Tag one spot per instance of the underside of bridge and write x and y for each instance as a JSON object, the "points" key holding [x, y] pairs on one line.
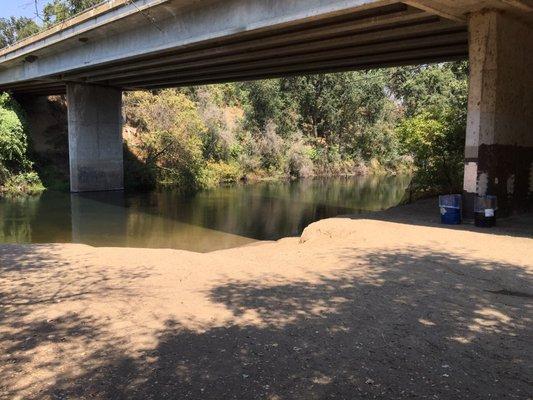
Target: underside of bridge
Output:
{"points": [[356, 38], [151, 44]]}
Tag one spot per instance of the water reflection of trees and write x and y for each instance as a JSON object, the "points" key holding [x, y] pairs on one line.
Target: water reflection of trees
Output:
{"points": [[15, 219], [38, 219], [276, 209], [220, 218]]}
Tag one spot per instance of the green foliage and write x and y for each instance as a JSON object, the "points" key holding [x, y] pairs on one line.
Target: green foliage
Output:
{"points": [[341, 124], [346, 119], [269, 102], [169, 136], [337, 107], [60, 10], [432, 142], [300, 163], [434, 131], [215, 173], [16, 175], [431, 88], [14, 29], [218, 107], [137, 174], [26, 183], [13, 141]]}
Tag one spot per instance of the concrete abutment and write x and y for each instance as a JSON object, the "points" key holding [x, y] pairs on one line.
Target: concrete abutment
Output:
{"points": [[499, 137]]}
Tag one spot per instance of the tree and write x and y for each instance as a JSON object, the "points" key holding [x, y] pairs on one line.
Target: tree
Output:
{"points": [[60, 10], [14, 29], [433, 132], [268, 103], [430, 87], [169, 133]]}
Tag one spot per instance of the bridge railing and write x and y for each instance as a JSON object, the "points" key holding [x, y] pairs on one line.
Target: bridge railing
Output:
{"points": [[97, 9]]}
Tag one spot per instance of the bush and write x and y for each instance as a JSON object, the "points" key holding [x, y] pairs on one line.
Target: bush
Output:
{"points": [[13, 141], [27, 183], [16, 175], [436, 144], [271, 147], [300, 163], [222, 123], [216, 173], [168, 137]]}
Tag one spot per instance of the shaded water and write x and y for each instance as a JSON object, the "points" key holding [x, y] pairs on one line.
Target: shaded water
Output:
{"points": [[210, 220]]}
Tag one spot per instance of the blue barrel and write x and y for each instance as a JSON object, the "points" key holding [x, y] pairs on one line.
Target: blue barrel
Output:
{"points": [[450, 209]]}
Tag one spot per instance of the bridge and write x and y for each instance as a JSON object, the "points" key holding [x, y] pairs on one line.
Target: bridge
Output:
{"points": [[124, 45]]}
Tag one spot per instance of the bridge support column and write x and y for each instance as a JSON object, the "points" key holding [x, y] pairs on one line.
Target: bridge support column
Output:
{"points": [[95, 138], [499, 137]]}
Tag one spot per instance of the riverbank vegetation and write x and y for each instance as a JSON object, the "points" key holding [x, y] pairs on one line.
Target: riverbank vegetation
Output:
{"points": [[16, 169], [323, 125], [380, 121]]}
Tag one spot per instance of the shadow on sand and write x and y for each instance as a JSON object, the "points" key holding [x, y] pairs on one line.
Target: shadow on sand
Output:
{"points": [[459, 329]]}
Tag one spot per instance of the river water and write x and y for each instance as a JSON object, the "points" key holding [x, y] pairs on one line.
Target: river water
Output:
{"points": [[210, 220]]}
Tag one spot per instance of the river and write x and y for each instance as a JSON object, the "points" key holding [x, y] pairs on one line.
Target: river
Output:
{"points": [[209, 220]]}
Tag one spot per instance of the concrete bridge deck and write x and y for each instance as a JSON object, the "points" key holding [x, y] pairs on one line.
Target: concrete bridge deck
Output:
{"points": [[159, 43]]}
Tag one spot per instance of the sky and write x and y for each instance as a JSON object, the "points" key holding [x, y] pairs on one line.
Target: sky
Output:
{"points": [[19, 8]]}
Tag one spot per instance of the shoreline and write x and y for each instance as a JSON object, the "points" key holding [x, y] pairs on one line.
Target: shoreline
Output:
{"points": [[62, 186]]}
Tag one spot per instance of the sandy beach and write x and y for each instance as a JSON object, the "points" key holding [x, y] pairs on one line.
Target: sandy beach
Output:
{"points": [[355, 308]]}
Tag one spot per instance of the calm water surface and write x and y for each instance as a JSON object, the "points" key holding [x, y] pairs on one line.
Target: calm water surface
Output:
{"points": [[210, 220]]}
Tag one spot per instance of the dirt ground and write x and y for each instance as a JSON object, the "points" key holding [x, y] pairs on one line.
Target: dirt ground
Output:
{"points": [[355, 309]]}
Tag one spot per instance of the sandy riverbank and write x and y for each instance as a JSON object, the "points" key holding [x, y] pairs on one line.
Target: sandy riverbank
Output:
{"points": [[356, 308]]}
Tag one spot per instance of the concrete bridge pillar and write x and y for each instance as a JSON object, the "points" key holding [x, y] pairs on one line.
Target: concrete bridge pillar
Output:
{"points": [[499, 137], [95, 138]]}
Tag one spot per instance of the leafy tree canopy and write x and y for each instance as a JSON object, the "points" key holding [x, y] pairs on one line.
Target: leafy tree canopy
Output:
{"points": [[14, 29], [60, 10]]}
